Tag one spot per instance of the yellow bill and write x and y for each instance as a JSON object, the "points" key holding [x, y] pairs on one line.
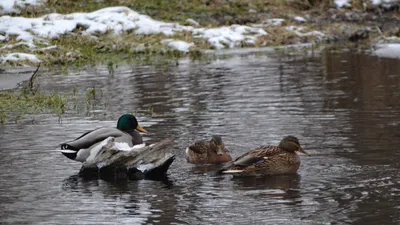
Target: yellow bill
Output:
{"points": [[141, 129]]}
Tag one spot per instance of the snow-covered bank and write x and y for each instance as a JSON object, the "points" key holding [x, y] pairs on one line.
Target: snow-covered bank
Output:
{"points": [[116, 20], [387, 50], [15, 6], [347, 3], [16, 56], [29, 32]]}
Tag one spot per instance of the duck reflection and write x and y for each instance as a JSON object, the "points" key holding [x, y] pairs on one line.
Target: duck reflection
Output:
{"points": [[143, 200], [283, 182], [206, 169], [283, 186], [77, 183]]}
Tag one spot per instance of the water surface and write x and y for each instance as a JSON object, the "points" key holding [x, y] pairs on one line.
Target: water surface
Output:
{"points": [[344, 108]]}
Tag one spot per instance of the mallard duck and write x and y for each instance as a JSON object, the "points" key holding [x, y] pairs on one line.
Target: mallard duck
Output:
{"points": [[112, 159], [268, 160], [208, 152], [126, 131]]}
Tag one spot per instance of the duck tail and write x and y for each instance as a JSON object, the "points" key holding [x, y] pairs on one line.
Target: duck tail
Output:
{"points": [[70, 154], [160, 171], [232, 171], [226, 167]]}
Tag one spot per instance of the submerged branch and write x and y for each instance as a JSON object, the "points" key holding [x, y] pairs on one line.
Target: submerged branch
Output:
{"points": [[32, 79]]}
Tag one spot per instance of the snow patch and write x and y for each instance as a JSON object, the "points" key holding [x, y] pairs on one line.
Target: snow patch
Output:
{"points": [[119, 20], [294, 28], [15, 6], [387, 50], [299, 33], [311, 33], [192, 22], [347, 3], [299, 19], [275, 22], [342, 3], [16, 56], [229, 36], [177, 44], [379, 2]]}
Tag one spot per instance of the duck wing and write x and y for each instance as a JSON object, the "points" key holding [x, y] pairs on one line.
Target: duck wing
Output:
{"points": [[252, 157], [94, 136], [247, 160], [200, 147], [155, 156], [150, 161]]}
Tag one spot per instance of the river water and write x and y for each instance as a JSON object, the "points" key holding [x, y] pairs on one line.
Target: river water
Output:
{"points": [[344, 108]]}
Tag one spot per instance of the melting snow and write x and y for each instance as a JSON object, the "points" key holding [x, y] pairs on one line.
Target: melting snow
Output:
{"points": [[346, 3], [16, 56], [342, 3], [118, 20], [275, 22], [297, 31], [14, 6], [177, 44], [378, 2], [387, 50], [232, 36], [299, 19]]}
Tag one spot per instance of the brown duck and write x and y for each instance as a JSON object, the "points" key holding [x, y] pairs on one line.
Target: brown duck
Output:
{"points": [[268, 160], [208, 152]]}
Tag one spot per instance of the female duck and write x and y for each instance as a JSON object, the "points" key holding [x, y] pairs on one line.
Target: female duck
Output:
{"points": [[268, 160], [208, 152], [126, 131]]}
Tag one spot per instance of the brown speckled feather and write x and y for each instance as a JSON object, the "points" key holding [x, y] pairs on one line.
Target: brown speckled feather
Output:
{"points": [[264, 151], [202, 147], [203, 152], [266, 160]]}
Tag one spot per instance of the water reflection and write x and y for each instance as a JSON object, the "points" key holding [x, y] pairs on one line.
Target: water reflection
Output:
{"points": [[371, 93], [205, 169], [281, 182], [142, 201], [342, 106]]}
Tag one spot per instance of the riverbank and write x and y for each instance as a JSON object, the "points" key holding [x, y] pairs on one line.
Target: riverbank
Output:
{"points": [[61, 33]]}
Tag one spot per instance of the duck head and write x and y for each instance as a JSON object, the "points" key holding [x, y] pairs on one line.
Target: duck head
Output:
{"points": [[292, 144], [217, 141], [128, 122]]}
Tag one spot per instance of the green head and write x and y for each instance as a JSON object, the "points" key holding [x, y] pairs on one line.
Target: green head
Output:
{"points": [[217, 140], [128, 122], [292, 144]]}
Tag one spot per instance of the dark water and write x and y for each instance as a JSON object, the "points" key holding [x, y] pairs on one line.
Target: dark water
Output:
{"points": [[344, 107]]}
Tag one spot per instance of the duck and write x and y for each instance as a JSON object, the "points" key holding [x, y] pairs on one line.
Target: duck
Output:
{"points": [[116, 160], [208, 152], [268, 160], [127, 131]]}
